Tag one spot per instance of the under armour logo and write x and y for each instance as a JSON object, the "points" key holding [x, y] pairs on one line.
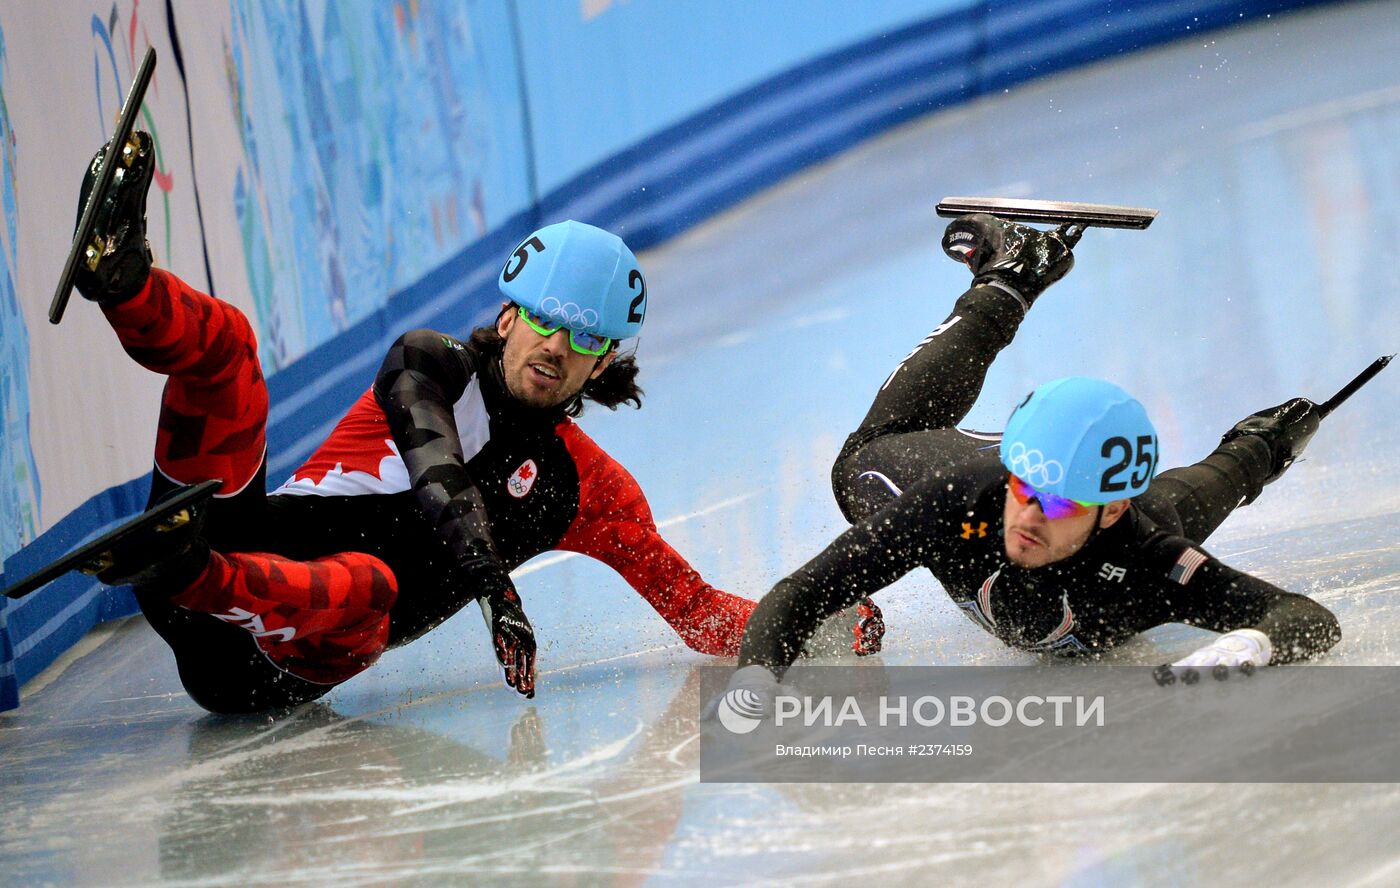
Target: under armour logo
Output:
{"points": [[969, 530]]}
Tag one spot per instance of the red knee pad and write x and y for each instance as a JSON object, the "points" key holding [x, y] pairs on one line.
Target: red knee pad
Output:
{"points": [[323, 620]]}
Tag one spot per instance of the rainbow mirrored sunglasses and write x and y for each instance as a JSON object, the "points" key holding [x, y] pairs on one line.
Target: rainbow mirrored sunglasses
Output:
{"points": [[1051, 505], [583, 343]]}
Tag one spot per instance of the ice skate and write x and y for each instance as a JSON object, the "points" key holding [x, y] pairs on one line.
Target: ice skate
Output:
{"points": [[1014, 257], [166, 552], [160, 547], [117, 259], [1287, 429]]}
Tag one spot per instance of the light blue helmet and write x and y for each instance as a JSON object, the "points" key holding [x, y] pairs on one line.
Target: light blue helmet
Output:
{"points": [[1083, 439], [580, 276]]}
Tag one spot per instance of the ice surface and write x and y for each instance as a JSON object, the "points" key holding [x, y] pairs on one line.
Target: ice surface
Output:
{"points": [[1271, 152]]}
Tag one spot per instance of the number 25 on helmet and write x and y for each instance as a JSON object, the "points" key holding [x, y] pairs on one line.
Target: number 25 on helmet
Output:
{"points": [[1081, 439]]}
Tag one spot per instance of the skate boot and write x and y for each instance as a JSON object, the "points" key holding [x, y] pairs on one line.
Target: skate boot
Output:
{"points": [[1013, 257], [166, 556], [1287, 429], [118, 260]]}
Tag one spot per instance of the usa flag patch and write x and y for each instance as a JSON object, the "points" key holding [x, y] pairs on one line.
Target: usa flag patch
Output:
{"points": [[1186, 565]]}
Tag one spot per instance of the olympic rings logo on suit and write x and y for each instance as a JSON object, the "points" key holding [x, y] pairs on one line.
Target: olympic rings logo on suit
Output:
{"points": [[570, 314], [1032, 467]]}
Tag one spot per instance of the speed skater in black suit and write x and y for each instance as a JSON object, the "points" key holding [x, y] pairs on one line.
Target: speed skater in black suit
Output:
{"points": [[1054, 537]]}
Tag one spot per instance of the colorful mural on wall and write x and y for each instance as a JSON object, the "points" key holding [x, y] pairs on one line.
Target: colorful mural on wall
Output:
{"points": [[19, 475], [366, 143]]}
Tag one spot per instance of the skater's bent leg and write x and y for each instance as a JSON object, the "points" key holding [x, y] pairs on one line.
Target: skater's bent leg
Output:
{"points": [[909, 431], [322, 620], [1201, 496], [214, 410], [868, 478], [938, 382], [223, 669]]}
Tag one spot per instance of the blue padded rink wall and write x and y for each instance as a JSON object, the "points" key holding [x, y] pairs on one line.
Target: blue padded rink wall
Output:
{"points": [[1273, 153]]}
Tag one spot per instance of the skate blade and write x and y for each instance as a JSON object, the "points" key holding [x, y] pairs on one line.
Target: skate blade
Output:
{"points": [[84, 241], [1054, 212], [98, 563], [96, 556]]}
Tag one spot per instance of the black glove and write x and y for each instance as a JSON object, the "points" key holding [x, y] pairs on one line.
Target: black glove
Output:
{"points": [[513, 639]]}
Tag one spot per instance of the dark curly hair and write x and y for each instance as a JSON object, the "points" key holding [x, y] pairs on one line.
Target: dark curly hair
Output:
{"points": [[615, 386]]}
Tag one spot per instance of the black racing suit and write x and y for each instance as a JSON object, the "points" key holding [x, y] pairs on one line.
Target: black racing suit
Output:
{"points": [[920, 492]]}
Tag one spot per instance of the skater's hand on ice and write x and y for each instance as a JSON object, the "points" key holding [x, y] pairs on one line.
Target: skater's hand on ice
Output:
{"points": [[749, 696], [869, 629], [1242, 650], [513, 639]]}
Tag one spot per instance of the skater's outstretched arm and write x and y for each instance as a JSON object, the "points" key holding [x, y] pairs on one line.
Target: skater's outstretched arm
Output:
{"points": [[615, 525], [872, 554], [1262, 624], [1297, 627]]}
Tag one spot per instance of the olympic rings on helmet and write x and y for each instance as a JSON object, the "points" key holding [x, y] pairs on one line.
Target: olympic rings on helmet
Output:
{"points": [[569, 314], [1031, 466]]}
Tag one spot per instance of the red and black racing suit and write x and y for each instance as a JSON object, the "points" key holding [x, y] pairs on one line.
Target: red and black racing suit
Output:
{"points": [[921, 492], [427, 493]]}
